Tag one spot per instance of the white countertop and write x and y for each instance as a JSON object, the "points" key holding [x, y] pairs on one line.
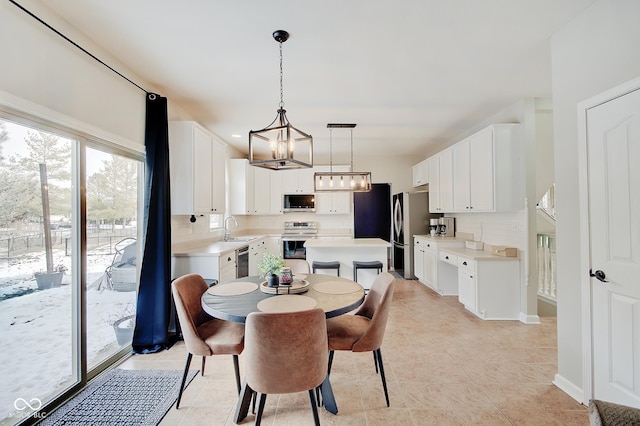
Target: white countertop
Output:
{"points": [[441, 239], [475, 254], [347, 243], [214, 248]]}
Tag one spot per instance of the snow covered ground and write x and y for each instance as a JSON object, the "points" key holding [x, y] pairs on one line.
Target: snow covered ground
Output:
{"points": [[37, 329]]}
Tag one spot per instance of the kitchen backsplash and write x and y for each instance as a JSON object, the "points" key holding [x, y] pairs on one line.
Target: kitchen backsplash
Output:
{"points": [[507, 229], [277, 221]]}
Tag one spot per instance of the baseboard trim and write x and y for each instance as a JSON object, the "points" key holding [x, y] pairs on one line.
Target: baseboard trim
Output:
{"points": [[569, 388], [529, 319]]}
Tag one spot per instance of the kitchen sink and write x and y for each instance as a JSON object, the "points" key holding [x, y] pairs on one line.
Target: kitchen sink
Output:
{"points": [[240, 239]]}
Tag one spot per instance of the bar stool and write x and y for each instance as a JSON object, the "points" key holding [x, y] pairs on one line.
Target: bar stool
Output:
{"points": [[325, 265], [365, 265]]}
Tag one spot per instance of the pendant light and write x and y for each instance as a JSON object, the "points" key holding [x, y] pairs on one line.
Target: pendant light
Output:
{"points": [[280, 146], [341, 181]]}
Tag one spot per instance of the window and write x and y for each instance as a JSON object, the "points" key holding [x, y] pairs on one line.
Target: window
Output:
{"points": [[215, 222], [48, 264]]}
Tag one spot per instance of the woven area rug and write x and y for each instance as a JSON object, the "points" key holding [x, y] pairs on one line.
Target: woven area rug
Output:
{"points": [[122, 397]]}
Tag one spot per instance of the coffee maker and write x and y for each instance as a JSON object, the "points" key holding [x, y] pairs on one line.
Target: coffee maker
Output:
{"points": [[446, 227], [434, 227]]}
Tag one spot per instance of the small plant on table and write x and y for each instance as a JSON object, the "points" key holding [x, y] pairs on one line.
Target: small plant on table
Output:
{"points": [[270, 267]]}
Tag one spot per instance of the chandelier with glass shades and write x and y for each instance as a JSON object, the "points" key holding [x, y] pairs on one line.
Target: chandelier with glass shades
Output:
{"points": [[280, 146], [341, 181]]}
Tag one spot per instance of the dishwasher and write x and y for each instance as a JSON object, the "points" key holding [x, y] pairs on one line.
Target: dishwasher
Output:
{"points": [[242, 262]]}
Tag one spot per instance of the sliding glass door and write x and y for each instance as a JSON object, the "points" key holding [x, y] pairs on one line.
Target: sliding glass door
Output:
{"points": [[69, 214], [112, 183]]}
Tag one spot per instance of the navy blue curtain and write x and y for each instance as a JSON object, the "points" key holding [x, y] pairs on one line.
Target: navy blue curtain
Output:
{"points": [[154, 294]]}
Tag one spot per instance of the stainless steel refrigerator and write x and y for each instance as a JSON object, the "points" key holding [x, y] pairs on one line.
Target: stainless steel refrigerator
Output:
{"points": [[410, 217]]}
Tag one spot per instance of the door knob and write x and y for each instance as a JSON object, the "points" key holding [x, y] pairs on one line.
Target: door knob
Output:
{"points": [[600, 275]]}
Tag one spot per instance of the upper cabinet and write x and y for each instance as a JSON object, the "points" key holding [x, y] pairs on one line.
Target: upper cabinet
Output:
{"points": [[297, 181], [421, 173], [251, 190], [481, 173], [196, 162], [333, 202], [486, 172], [441, 182]]}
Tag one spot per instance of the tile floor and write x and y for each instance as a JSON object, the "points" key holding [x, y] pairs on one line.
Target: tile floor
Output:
{"points": [[443, 365]]}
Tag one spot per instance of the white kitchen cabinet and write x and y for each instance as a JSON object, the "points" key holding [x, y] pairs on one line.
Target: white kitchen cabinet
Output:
{"points": [[333, 202], [299, 181], [427, 251], [275, 198], [249, 188], [197, 168], [440, 170], [421, 173], [486, 171], [490, 289], [274, 245], [220, 267], [259, 192], [228, 266], [257, 250], [467, 284]]}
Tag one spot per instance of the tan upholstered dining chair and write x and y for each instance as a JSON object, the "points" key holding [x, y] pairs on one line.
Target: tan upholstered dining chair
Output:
{"points": [[364, 331], [298, 266], [285, 353], [204, 335]]}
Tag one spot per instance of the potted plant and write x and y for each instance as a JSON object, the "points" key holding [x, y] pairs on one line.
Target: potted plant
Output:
{"points": [[270, 267], [123, 323], [46, 280]]}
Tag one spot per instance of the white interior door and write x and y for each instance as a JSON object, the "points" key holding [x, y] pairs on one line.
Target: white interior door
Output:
{"points": [[613, 156]]}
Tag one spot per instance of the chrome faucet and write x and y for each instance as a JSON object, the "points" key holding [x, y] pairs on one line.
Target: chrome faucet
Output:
{"points": [[227, 231]]}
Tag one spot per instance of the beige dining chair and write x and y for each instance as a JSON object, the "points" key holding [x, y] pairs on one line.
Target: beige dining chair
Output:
{"points": [[298, 266], [204, 335], [285, 353], [364, 331]]}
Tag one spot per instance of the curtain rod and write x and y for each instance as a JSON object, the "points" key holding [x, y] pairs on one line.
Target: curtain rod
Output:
{"points": [[78, 46]]}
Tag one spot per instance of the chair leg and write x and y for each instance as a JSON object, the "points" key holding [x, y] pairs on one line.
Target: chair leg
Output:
{"points": [[263, 399], [314, 408], [236, 367], [330, 362], [375, 361], [384, 380], [204, 358], [184, 379]]}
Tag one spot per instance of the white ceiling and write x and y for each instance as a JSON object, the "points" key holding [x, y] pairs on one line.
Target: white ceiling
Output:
{"points": [[413, 74]]}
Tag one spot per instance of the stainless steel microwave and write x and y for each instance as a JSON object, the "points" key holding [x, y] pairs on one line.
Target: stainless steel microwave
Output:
{"points": [[299, 203]]}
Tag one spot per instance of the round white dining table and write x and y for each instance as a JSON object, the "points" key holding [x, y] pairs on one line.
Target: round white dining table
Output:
{"points": [[235, 299]]}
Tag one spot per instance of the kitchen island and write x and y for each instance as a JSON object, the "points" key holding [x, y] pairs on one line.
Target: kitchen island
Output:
{"points": [[346, 251]]}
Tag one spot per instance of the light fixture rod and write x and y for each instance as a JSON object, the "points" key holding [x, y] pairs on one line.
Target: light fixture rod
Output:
{"points": [[340, 125]]}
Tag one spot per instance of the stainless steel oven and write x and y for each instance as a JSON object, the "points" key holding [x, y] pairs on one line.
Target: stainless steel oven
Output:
{"points": [[294, 237]]}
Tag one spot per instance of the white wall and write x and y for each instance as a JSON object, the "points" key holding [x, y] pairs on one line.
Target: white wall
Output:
{"points": [[42, 68], [594, 52]]}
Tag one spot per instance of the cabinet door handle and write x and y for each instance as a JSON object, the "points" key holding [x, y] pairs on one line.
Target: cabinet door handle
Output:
{"points": [[428, 245], [446, 257], [464, 263]]}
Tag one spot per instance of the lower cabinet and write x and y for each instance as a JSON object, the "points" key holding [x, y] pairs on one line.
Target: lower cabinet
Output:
{"points": [[467, 288], [426, 251], [274, 245], [490, 288], [221, 267], [228, 267], [257, 250]]}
